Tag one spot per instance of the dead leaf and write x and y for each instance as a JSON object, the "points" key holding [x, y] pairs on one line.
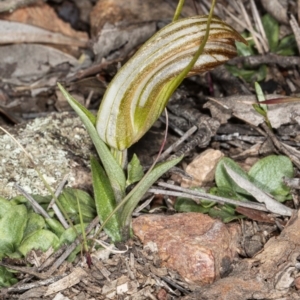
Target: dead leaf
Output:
{"points": [[281, 114], [119, 27], [255, 215], [13, 32], [68, 281], [29, 61], [44, 16], [278, 9], [241, 107]]}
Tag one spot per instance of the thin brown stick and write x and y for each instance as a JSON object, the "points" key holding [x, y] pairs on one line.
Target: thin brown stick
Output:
{"points": [[269, 58]]}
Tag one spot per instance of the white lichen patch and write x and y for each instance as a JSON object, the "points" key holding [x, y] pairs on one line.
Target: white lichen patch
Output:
{"points": [[58, 144]]}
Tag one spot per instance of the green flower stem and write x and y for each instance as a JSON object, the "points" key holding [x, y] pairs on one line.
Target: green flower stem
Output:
{"points": [[177, 81], [178, 10]]}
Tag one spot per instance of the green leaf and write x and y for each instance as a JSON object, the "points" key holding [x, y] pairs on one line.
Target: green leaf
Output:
{"points": [[34, 223], [188, 205], [112, 168], [223, 180], [271, 27], [55, 226], [135, 171], [287, 46], [142, 187], [41, 239], [12, 227], [268, 172], [6, 278], [226, 213], [5, 205], [105, 200], [226, 192], [249, 75], [260, 96], [259, 109], [84, 198], [70, 234], [74, 253], [68, 200], [244, 49]]}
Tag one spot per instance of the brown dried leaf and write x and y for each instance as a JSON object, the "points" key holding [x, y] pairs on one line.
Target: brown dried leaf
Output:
{"points": [[278, 9], [14, 32], [121, 26], [241, 107], [44, 16], [255, 215], [68, 281]]}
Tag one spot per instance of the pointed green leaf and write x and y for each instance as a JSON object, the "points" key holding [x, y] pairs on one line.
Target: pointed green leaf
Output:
{"points": [[188, 205], [223, 180], [260, 96], [249, 75], [112, 168], [287, 46], [105, 200], [271, 27], [245, 49], [135, 171], [142, 188]]}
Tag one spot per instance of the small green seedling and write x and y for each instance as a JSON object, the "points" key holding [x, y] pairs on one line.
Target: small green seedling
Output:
{"points": [[265, 175], [262, 109], [286, 46]]}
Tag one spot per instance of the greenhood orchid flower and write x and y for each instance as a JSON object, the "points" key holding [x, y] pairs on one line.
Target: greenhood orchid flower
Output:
{"points": [[139, 92]]}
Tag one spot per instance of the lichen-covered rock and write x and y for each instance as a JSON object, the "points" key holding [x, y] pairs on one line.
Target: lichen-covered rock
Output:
{"points": [[58, 144]]}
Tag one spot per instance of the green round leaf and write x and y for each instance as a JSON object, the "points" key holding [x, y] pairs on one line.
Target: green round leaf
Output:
{"points": [[6, 278], [41, 239], [5, 205], [70, 234], [12, 227], [268, 172], [34, 223], [55, 226]]}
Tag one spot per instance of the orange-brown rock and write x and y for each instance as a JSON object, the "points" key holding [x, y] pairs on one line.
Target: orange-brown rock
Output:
{"points": [[202, 168], [198, 247]]}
